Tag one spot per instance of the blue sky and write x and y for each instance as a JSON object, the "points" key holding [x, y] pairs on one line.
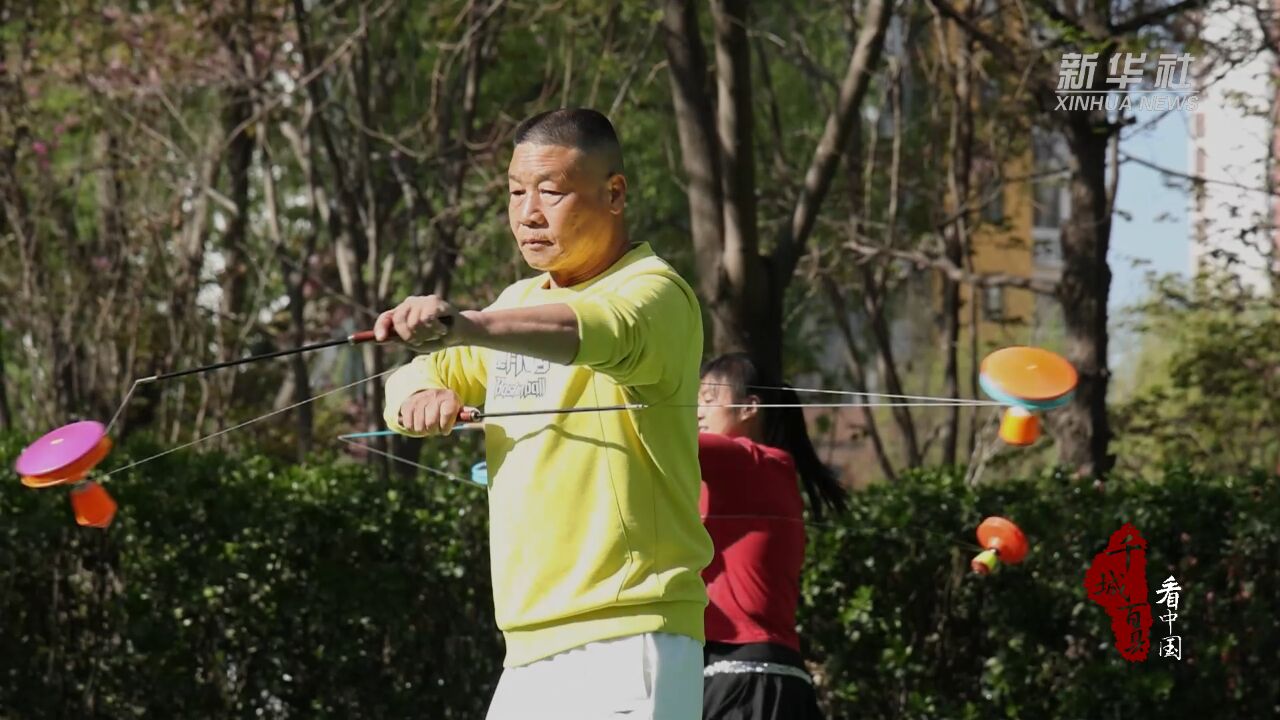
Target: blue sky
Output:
{"points": [[1155, 237]]}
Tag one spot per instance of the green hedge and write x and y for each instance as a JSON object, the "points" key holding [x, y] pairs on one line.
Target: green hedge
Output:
{"points": [[228, 588], [906, 632], [232, 588]]}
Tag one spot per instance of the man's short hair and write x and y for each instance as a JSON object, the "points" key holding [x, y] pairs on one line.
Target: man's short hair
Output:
{"points": [[589, 131]]}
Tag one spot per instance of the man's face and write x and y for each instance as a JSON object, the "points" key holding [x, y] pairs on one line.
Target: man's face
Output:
{"points": [[562, 208]]}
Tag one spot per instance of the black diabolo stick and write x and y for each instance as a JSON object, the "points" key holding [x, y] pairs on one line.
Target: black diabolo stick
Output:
{"points": [[354, 339]]}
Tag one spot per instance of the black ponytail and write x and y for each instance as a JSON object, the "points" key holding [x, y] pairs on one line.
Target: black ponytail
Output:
{"points": [[785, 428]]}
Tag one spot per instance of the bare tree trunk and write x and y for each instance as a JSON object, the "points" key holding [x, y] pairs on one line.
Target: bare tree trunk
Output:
{"points": [[750, 326], [456, 148], [240, 150], [956, 241], [236, 273], [687, 62], [295, 281], [950, 342], [1082, 428]]}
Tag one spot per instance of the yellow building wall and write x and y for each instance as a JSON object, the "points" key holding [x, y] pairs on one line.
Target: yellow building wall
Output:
{"points": [[1008, 249]]}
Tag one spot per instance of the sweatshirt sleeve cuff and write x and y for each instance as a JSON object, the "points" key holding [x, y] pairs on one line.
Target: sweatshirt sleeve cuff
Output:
{"points": [[401, 385]]}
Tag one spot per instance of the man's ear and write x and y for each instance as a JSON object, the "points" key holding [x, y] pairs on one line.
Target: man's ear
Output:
{"points": [[753, 409], [617, 185]]}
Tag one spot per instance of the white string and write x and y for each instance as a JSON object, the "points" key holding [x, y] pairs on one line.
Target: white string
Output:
{"points": [[974, 403], [968, 403], [122, 404], [224, 431], [838, 526], [407, 461], [857, 393], [920, 401], [251, 421]]}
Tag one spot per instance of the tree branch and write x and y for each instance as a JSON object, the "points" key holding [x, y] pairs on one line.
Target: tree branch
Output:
{"points": [[313, 71], [1139, 22], [1198, 179], [318, 98], [835, 136], [954, 273], [775, 116], [993, 45], [1050, 8], [853, 360]]}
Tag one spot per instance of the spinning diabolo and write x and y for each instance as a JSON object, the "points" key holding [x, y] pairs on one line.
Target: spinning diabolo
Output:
{"points": [[65, 457], [1002, 542], [1026, 379]]}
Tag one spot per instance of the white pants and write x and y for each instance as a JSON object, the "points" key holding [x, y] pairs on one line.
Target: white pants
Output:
{"points": [[655, 676]]}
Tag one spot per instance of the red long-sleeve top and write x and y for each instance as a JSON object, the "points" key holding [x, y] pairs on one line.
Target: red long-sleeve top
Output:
{"points": [[753, 511]]}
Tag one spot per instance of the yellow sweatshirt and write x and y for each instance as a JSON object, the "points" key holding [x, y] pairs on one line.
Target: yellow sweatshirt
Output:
{"points": [[594, 530]]}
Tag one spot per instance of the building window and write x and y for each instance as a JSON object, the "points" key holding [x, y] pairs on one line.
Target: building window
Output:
{"points": [[1048, 208], [993, 302], [1047, 251], [1051, 201], [1051, 198]]}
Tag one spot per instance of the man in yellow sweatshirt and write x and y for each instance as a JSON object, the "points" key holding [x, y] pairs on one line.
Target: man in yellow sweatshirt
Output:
{"points": [[595, 538]]}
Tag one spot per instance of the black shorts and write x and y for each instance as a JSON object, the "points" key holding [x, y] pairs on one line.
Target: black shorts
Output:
{"points": [[757, 696]]}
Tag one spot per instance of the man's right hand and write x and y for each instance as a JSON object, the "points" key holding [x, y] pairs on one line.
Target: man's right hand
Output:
{"points": [[430, 412]]}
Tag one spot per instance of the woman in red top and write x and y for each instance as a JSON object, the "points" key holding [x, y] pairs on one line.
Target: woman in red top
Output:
{"points": [[751, 457]]}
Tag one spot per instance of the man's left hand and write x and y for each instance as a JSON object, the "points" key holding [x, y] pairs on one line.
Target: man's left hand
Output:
{"points": [[424, 322]]}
